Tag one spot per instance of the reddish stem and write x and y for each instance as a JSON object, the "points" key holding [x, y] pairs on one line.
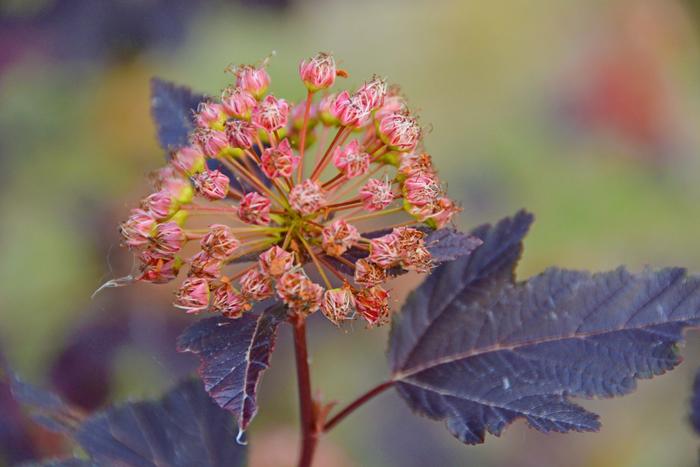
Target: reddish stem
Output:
{"points": [[309, 434], [375, 391], [302, 141]]}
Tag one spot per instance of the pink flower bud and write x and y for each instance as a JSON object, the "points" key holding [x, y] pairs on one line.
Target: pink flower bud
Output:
{"points": [[219, 242], [189, 160], [325, 112], [240, 134], [208, 114], [229, 302], [338, 237], [350, 110], [211, 141], [167, 239], [307, 197], [254, 208], [211, 184], [369, 274], [271, 114], [412, 164], [338, 304], [193, 295], [318, 72], [392, 104], [299, 293], [256, 285], [279, 161], [203, 265], [400, 132], [372, 93], [373, 305], [376, 194], [238, 102], [158, 270], [253, 80], [350, 160], [136, 230], [444, 209], [161, 205], [421, 189], [276, 261], [385, 251]]}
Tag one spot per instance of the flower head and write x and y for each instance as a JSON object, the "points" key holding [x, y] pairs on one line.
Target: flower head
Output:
{"points": [[271, 113], [254, 208], [338, 304], [254, 80], [229, 301], [318, 72], [307, 197], [351, 160], [338, 237], [211, 184], [279, 161], [136, 230], [193, 295], [219, 242], [238, 102]]}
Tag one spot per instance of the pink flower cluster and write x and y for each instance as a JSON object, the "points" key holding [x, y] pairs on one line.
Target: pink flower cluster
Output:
{"points": [[253, 211]]}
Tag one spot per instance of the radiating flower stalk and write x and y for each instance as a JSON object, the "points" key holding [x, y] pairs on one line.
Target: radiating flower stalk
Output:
{"points": [[288, 214]]}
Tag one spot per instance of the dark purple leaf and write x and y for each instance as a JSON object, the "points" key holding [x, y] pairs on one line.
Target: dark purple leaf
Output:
{"points": [[15, 439], [478, 351], [233, 355], [449, 244], [73, 462], [185, 428], [695, 404], [172, 109]]}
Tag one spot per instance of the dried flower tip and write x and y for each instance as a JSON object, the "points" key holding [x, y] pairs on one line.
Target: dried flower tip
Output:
{"points": [[204, 265], [299, 293], [376, 194], [351, 160], [156, 269], [161, 205], [372, 93], [211, 184], [271, 114], [369, 274], [307, 197], [338, 237], [373, 305], [219, 242], [421, 189], [136, 230], [417, 259], [256, 286], [276, 261], [412, 164], [318, 72], [254, 208], [443, 210], [238, 102], [385, 251], [254, 80], [229, 302], [350, 110], [338, 304], [212, 142], [193, 295], [400, 132], [240, 134], [167, 239], [189, 160], [208, 114], [279, 161]]}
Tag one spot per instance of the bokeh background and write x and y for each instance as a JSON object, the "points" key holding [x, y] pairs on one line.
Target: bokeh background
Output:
{"points": [[585, 112]]}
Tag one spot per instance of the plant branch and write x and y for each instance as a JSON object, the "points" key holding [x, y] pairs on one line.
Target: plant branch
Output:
{"points": [[357, 403], [309, 433]]}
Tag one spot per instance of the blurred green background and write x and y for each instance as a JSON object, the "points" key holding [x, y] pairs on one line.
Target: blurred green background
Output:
{"points": [[585, 112]]}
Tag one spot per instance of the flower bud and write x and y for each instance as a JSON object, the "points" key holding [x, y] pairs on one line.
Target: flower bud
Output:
{"points": [[253, 80], [318, 72], [276, 261], [256, 285], [444, 209], [229, 302], [211, 184], [299, 293], [385, 251], [219, 242], [156, 269], [203, 265], [189, 160], [307, 197], [167, 238], [338, 304], [372, 93], [421, 189], [271, 113], [208, 114], [212, 142], [369, 274], [338, 237], [193, 295], [376, 194], [279, 161], [240, 134], [350, 160], [373, 305], [136, 230], [325, 112], [400, 132], [350, 110], [238, 102], [161, 205], [254, 208]]}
